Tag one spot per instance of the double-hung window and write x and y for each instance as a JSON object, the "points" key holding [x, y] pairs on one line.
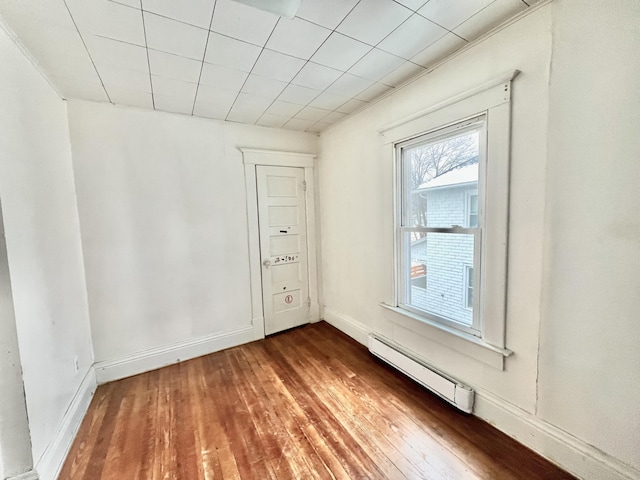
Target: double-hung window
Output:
{"points": [[441, 222], [451, 173]]}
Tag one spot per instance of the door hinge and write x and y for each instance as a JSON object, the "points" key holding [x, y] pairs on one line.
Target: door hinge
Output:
{"points": [[304, 185], [308, 301]]}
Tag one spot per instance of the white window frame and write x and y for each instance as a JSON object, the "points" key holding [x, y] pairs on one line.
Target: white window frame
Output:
{"points": [[465, 294], [492, 98], [467, 207], [476, 123]]}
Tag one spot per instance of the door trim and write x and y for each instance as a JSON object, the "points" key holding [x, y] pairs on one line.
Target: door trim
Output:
{"points": [[251, 158]]}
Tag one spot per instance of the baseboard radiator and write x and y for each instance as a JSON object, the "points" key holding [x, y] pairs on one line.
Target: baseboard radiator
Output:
{"points": [[459, 395]]}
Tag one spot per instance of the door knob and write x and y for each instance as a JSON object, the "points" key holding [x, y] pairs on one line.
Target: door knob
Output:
{"points": [[266, 263]]}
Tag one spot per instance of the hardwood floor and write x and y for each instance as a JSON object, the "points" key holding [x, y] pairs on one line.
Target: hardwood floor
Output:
{"points": [[307, 404]]}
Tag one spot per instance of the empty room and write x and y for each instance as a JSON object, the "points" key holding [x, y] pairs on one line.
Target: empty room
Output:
{"points": [[319, 239]]}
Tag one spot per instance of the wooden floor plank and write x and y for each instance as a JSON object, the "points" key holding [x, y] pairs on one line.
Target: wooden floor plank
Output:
{"points": [[309, 403]]}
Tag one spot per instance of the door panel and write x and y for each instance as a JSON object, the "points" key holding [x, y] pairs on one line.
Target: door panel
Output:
{"points": [[283, 247]]}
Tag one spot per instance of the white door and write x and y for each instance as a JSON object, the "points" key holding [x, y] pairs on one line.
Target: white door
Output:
{"points": [[283, 247]]}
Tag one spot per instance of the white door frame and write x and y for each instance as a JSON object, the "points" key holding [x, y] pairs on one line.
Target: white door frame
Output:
{"points": [[252, 158]]}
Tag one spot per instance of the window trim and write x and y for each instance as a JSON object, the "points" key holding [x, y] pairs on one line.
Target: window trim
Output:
{"points": [[492, 97], [467, 206]]}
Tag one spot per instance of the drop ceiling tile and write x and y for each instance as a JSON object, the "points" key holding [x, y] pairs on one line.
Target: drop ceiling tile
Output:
{"points": [[413, 4], [195, 12], [222, 77], [128, 3], [52, 13], [401, 74], [118, 77], [275, 121], [328, 101], [242, 22], [216, 96], [262, 86], [351, 106], [340, 52], [439, 50], [211, 110], [284, 109], [277, 66], [298, 94], [312, 113], [230, 52], [248, 102], [174, 66], [316, 76], [113, 53], [372, 20], [489, 17], [132, 98], [374, 91], [108, 19], [242, 115], [173, 104], [376, 64], [451, 14], [349, 85], [328, 13], [168, 87], [298, 124], [412, 37], [333, 117], [297, 37], [74, 88], [175, 37], [318, 127]]}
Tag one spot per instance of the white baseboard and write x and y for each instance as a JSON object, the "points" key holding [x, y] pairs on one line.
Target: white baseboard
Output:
{"points": [[152, 359], [554, 444], [30, 475], [348, 325], [49, 465]]}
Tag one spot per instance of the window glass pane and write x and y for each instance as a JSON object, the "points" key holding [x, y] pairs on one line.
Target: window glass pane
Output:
{"points": [[445, 258], [440, 173]]}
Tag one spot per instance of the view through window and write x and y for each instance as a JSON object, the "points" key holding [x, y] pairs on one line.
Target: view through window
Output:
{"points": [[441, 224]]}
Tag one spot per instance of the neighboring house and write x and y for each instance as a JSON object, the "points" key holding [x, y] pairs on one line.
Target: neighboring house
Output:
{"points": [[446, 288]]}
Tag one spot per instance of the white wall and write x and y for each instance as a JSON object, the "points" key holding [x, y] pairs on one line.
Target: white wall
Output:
{"points": [[43, 243], [164, 225], [573, 232], [589, 381]]}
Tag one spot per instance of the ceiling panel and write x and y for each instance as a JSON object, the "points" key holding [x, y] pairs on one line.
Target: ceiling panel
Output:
{"points": [[108, 19], [328, 13], [174, 66], [263, 86], [412, 36], [277, 66], [340, 52], [224, 60], [494, 14], [372, 20], [316, 76], [174, 37], [113, 53], [222, 77], [297, 37], [195, 12], [349, 85], [451, 14], [242, 22], [231, 52], [376, 64]]}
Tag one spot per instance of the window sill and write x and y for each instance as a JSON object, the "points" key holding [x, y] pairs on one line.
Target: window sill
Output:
{"points": [[461, 342]]}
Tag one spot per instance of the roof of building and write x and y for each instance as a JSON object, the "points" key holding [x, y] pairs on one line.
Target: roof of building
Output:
{"points": [[459, 176]]}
